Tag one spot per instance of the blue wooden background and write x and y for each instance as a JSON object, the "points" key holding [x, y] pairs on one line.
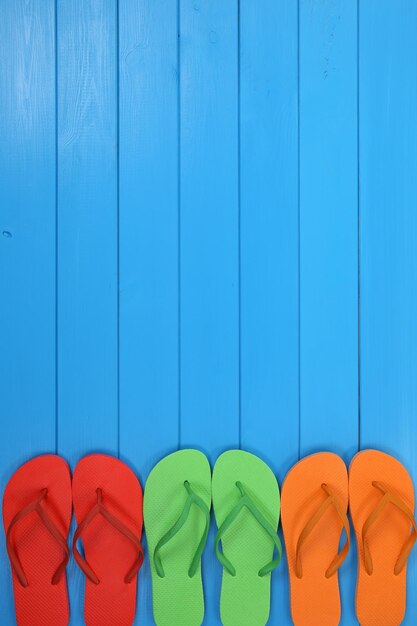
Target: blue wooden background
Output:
{"points": [[208, 237]]}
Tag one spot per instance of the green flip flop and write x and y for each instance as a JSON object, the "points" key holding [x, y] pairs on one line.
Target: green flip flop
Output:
{"points": [[246, 504], [176, 510]]}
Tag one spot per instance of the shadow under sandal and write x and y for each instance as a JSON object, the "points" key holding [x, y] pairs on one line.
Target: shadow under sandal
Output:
{"points": [[314, 515], [381, 497], [246, 504], [177, 520], [37, 508], [108, 507]]}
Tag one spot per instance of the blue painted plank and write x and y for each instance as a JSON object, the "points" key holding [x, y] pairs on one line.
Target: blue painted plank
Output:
{"points": [[329, 238], [87, 238], [388, 241], [328, 227], [269, 244], [209, 225], [27, 246], [209, 258], [149, 379]]}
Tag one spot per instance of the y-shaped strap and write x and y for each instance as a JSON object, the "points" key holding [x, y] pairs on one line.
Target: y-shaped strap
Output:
{"points": [[331, 500], [192, 498], [35, 506], [246, 501], [388, 498], [100, 509]]}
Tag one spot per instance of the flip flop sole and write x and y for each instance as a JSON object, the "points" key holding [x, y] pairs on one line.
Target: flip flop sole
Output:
{"points": [[381, 596], [40, 603], [315, 599], [178, 599], [112, 602], [245, 597]]}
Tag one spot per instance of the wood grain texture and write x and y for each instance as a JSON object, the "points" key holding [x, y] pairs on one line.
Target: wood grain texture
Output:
{"points": [[87, 238], [148, 236], [209, 238], [209, 263], [388, 241], [328, 227], [27, 245], [269, 244]]}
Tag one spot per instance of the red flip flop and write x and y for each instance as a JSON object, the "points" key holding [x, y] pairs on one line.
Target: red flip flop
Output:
{"points": [[37, 509], [107, 500]]}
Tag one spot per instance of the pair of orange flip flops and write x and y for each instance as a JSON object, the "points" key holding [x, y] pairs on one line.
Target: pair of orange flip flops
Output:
{"points": [[315, 498], [37, 511]]}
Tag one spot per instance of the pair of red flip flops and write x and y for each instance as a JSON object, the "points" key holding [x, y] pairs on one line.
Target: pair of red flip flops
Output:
{"points": [[37, 511]]}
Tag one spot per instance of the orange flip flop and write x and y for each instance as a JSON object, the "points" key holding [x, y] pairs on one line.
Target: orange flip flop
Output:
{"points": [[381, 499], [37, 509], [107, 500], [314, 503]]}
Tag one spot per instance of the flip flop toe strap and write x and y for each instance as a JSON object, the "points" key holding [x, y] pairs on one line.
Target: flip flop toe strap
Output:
{"points": [[36, 506], [192, 498], [334, 501], [100, 509], [246, 501], [388, 498]]}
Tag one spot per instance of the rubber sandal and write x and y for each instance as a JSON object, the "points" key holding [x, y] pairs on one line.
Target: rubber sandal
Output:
{"points": [[108, 508], [314, 506], [382, 508], [177, 519], [246, 504], [37, 509]]}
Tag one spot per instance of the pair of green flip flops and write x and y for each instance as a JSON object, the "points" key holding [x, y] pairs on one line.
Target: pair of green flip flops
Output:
{"points": [[246, 503]]}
